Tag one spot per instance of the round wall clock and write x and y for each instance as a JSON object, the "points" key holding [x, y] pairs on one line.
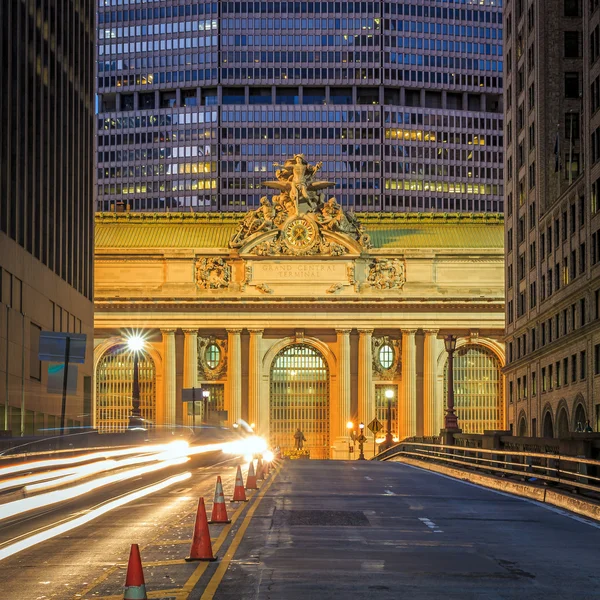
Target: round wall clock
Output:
{"points": [[300, 234]]}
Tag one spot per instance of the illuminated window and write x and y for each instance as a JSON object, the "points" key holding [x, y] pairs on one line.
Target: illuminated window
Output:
{"points": [[386, 356], [478, 389], [212, 355], [114, 382], [300, 398]]}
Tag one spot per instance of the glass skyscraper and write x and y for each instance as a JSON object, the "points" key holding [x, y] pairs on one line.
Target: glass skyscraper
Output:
{"points": [[401, 101]]}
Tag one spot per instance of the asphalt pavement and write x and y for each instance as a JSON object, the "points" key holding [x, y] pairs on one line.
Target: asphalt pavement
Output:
{"points": [[388, 531], [321, 530]]}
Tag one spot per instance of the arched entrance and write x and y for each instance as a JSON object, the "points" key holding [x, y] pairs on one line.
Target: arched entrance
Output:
{"points": [[580, 418], [114, 382], [299, 397], [548, 427], [562, 423], [522, 431], [478, 389]]}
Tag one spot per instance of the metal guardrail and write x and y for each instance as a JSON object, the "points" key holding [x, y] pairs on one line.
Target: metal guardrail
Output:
{"points": [[574, 472]]}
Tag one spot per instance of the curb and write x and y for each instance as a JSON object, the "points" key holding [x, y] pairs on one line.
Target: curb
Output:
{"points": [[564, 500]]}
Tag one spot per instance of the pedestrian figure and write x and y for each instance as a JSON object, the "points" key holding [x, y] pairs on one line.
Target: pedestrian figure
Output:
{"points": [[300, 439], [588, 427], [579, 428]]}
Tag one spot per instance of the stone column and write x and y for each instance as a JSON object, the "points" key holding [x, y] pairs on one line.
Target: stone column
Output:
{"points": [[170, 376], [429, 382], [234, 375], [190, 370], [344, 415], [407, 414], [255, 415], [366, 399]]}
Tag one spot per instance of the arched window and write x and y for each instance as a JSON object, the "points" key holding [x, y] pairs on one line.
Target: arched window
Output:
{"points": [[300, 399], [114, 383], [478, 389]]}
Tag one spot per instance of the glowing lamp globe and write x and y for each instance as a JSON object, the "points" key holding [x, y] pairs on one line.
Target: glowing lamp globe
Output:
{"points": [[135, 343]]}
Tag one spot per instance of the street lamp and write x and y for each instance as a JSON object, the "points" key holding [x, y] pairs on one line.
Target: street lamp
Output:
{"points": [[389, 438], [135, 343], [361, 441], [357, 437], [350, 428], [450, 420], [205, 398]]}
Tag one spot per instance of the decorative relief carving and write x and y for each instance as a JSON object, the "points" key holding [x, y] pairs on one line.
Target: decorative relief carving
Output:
{"points": [[336, 287], [387, 274], [264, 288], [207, 368], [384, 365], [212, 273], [299, 214]]}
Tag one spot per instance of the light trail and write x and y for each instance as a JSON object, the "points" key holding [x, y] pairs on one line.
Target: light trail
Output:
{"points": [[40, 537], [17, 507], [61, 462], [174, 450]]}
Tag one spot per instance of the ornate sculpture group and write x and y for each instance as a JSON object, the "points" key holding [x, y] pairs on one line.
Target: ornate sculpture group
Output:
{"points": [[212, 274], [299, 196], [387, 274], [300, 222]]}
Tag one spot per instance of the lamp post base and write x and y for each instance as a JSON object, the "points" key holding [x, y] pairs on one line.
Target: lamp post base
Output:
{"points": [[447, 436], [450, 420], [387, 443]]}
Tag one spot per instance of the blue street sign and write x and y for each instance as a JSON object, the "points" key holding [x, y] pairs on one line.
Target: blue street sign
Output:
{"points": [[53, 347]]}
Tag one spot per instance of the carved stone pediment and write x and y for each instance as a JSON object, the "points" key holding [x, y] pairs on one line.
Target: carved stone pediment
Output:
{"points": [[212, 273], [387, 274], [299, 221]]}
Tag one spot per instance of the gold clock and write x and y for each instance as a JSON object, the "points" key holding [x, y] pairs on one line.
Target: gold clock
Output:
{"points": [[300, 234]]}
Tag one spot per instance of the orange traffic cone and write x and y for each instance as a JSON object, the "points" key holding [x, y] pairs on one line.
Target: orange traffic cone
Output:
{"points": [[135, 587], [251, 483], [219, 510], [201, 545], [239, 493], [260, 469]]}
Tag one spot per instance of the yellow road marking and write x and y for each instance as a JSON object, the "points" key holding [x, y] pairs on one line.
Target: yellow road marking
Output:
{"points": [[216, 579], [183, 592], [197, 574]]}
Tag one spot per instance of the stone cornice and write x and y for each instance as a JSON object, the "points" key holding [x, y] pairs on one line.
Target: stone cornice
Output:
{"points": [[234, 217]]}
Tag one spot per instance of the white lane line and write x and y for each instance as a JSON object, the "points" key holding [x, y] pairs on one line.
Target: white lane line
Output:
{"points": [[554, 509], [368, 478], [430, 524], [388, 493]]}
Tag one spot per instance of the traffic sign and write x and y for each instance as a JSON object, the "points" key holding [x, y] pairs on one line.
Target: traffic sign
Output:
{"points": [[375, 426], [53, 347]]}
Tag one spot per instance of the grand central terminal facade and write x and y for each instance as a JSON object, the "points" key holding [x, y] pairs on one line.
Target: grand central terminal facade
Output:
{"points": [[300, 315]]}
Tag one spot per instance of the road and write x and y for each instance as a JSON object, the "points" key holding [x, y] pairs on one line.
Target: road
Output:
{"points": [[388, 531], [320, 530], [67, 565]]}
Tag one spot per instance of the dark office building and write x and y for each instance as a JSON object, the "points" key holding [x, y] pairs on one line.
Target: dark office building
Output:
{"points": [[552, 222], [401, 101], [46, 199]]}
